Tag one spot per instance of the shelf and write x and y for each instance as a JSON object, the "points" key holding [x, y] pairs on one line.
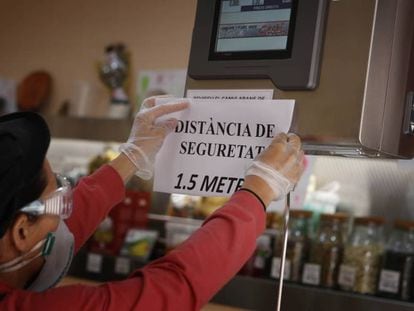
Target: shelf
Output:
{"points": [[174, 219], [255, 293], [261, 294], [111, 130], [190, 221]]}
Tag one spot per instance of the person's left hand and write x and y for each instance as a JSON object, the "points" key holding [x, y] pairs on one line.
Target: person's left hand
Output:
{"points": [[148, 134]]}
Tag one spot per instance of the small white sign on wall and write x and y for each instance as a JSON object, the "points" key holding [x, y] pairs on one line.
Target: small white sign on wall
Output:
{"points": [[158, 82], [235, 94]]}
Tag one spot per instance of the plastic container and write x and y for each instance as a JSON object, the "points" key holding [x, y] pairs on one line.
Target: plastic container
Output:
{"points": [[362, 256]]}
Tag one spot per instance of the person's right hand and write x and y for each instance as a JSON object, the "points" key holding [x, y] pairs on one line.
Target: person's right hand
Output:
{"points": [[277, 169]]}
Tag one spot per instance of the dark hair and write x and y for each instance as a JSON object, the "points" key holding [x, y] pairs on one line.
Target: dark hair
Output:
{"points": [[33, 189], [29, 193]]}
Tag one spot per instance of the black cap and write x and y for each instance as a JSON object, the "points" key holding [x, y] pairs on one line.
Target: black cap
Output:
{"points": [[24, 140]]}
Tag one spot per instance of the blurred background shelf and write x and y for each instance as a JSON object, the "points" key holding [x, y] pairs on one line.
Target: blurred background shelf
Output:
{"points": [[244, 291], [97, 129]]}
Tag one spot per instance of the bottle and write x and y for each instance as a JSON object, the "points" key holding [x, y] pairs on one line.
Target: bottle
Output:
{"points": [[326, 252], [297, 247], [258, 263], [362, 256], [397, 273], [262, 255]]}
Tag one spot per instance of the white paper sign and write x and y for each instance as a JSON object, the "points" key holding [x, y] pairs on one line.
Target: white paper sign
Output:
{"points": [[94, 263], [275, 270], [347, 276], [214, 143], [389, 281], [311, 274], [122, 265], [157, 82], [231, 94]]}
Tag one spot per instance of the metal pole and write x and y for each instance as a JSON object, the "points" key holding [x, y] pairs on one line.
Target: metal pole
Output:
{"points": [[283, 259]]}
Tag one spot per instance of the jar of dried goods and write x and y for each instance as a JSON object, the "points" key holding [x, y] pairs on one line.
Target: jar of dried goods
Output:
{"points": [[326, 251], [297, 251], [397, 273], [362, 256]]}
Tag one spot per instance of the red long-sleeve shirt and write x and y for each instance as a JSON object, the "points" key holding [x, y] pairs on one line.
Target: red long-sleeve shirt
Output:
{"points": [[185, 279]]}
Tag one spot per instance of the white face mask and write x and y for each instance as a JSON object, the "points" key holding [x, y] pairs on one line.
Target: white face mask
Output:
{"points": [[57, 249]]}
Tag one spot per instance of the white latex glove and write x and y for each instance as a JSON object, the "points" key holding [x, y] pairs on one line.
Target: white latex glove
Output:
{"points": [[147, 135], [280, 165]]}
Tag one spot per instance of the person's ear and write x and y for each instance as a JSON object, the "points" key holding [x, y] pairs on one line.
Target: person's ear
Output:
{"points": [[21, 233]]}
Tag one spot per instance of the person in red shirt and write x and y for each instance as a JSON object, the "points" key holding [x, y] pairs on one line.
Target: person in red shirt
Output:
{"points": [[43, 222]]}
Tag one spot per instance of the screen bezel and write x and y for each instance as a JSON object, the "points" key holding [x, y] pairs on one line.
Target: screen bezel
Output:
{"points": [[254, 54]]}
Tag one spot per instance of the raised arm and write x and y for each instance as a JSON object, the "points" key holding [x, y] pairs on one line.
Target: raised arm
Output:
{"points": [[191, 274], [97, 194]]}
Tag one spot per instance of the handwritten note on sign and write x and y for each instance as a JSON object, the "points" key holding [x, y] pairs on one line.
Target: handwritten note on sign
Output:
{"points": [[215, 141]]}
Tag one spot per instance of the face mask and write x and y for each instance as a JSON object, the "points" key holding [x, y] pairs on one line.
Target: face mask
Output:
{"points": [[57, 263], [58, 249]]}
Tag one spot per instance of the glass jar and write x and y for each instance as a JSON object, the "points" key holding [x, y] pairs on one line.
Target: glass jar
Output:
{"points": [[274, 222], [297, 251], [183, 205], [362, 256], [397, 273], [327, 250]]}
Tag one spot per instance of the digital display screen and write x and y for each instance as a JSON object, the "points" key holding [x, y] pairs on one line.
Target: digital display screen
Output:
{"points": [[253, 25]]}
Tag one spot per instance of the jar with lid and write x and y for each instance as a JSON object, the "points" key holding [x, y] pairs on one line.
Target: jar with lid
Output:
{"points": [[326, 252], [397, 273], [297, 251], [362, 256]]}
